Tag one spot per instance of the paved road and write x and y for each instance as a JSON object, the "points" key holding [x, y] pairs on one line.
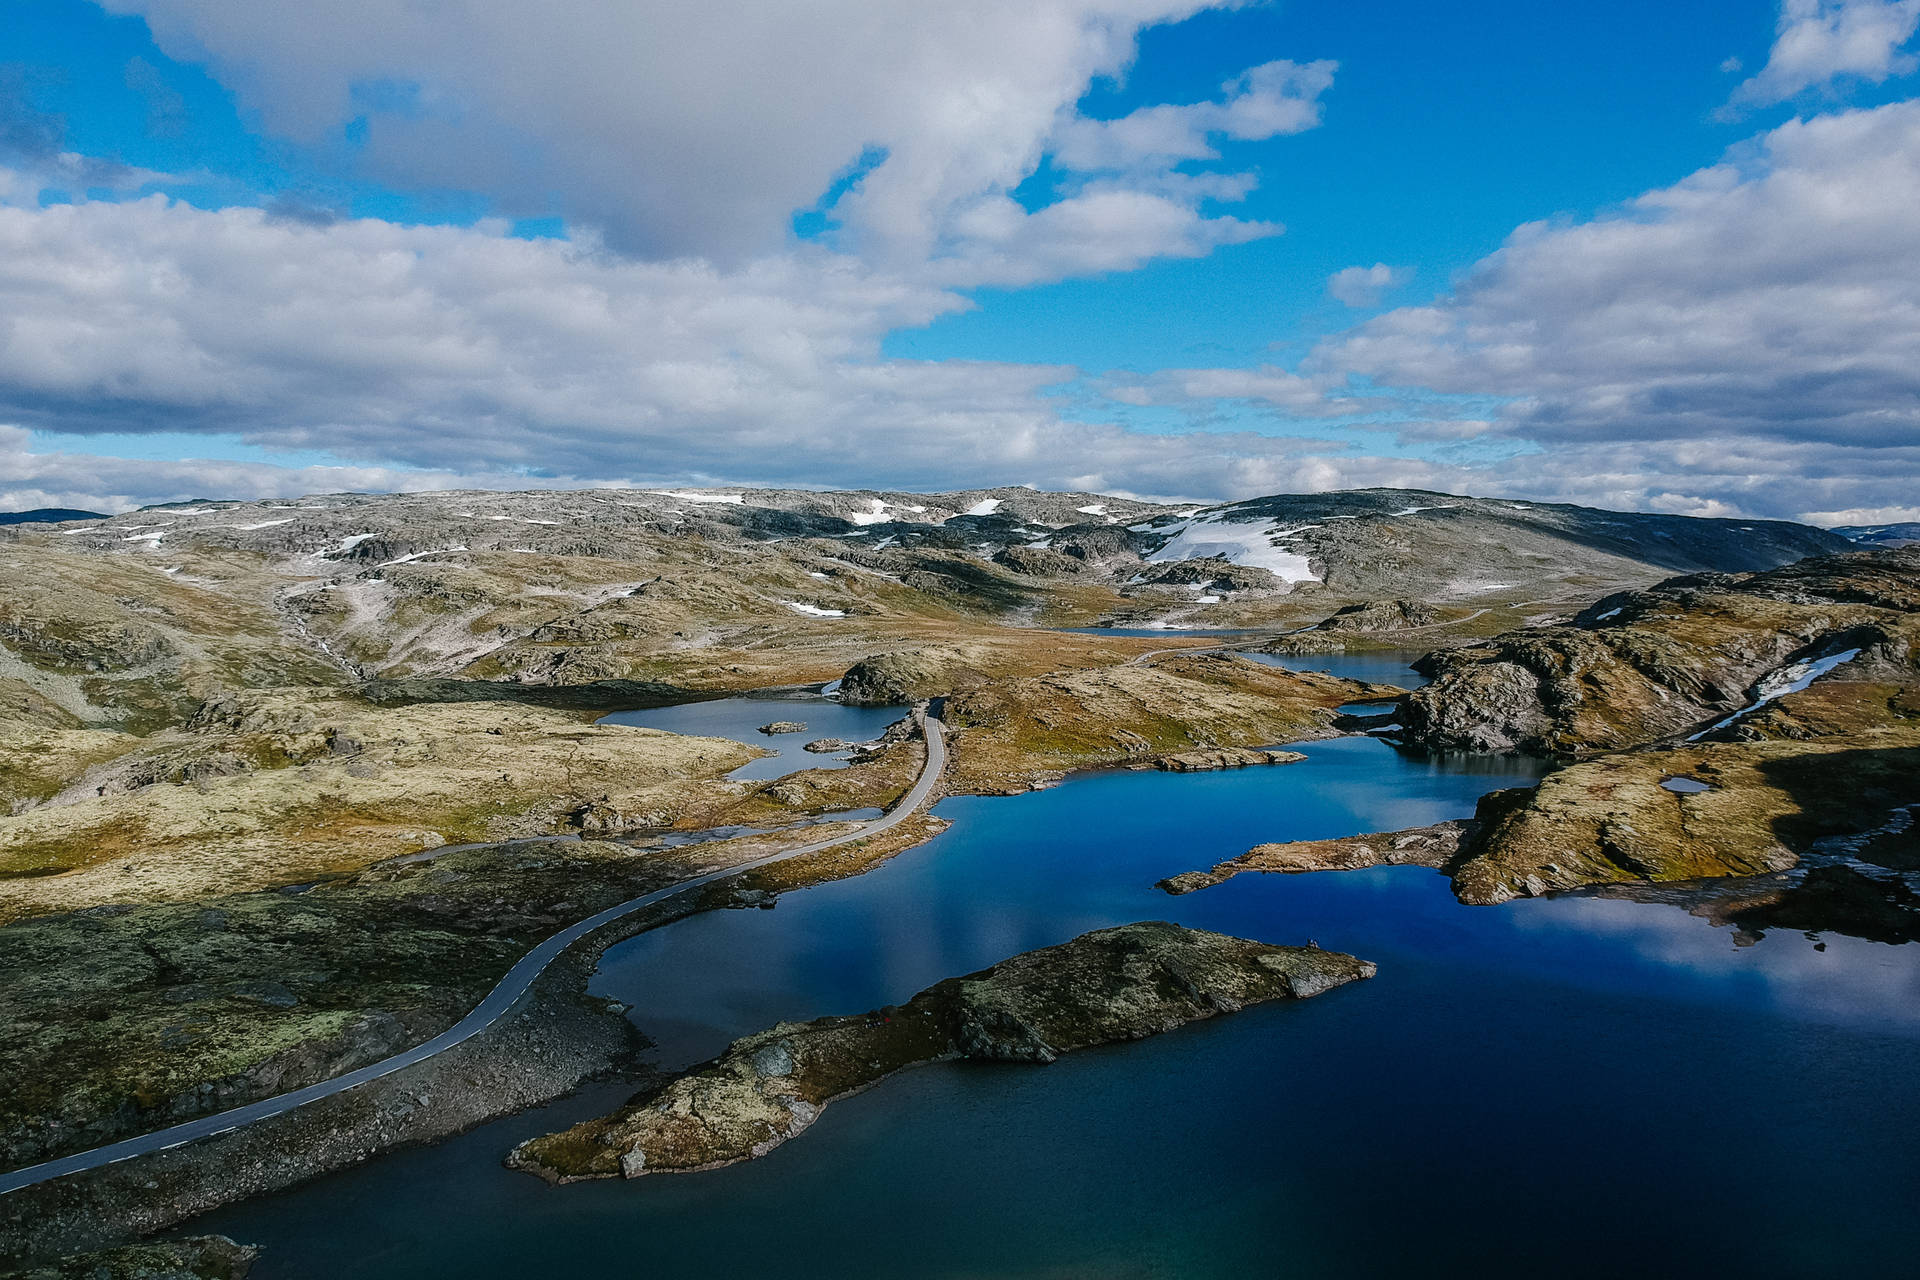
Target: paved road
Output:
{"points": [[489, 1011]]}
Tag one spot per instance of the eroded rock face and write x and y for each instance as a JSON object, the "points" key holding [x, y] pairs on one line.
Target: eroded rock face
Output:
{"points": [[1113, 984], [1650, 666]]}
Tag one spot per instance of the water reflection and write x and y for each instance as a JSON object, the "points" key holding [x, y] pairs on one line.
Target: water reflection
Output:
{"points": [[1545, 1053]]}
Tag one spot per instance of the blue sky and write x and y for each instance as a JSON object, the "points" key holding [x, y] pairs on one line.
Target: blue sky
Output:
{"points": [[1028, 243]]}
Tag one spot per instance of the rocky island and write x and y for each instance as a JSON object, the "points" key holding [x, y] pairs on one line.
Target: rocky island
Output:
{"points": [[1113, 984]]}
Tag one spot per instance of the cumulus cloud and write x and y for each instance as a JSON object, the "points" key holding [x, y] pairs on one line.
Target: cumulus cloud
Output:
{"points": [[698, 129], [1266, 384], [1821, 41], [1267, 101], [1756, 326], [90, 482], [420, 354], [1362, 286]]}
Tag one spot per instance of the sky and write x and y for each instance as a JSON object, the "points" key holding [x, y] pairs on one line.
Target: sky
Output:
{"points": [[1647, 256]]}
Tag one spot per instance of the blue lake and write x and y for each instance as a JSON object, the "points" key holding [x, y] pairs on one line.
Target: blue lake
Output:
{"points": [[741, 718], [1579, 1087]]}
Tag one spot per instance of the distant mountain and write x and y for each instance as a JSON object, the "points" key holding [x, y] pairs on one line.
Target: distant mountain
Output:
{"points": [[1882, 535], [48, 515]]}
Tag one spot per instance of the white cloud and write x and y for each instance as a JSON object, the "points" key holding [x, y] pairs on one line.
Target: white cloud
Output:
{"points": [[1266, 384], [427, 356], [94, 483], [698, 129], [1820, 41], [1750, 335], [1362, 286], [1865, 515], [1267, 101]]}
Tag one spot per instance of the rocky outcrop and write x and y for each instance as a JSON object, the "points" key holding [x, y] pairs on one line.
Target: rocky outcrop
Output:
{"points": [[1742, 810], [1222, 758], [1687, 657], [190, 1258], [895, 679], [1013, 735], [1613, 820], [1040, 562], [1434, 846], [1383, 615], [1113, 984], [784, 726]]}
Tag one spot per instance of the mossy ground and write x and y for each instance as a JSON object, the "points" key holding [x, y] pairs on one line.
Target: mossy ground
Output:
{"points": [[1010, 735]]}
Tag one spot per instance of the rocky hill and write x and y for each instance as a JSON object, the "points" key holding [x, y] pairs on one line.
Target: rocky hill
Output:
{"points": [[737, 588], [1701, 656], [1882, 535]]}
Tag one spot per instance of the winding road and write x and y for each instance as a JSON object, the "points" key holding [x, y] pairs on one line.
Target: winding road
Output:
{"points": [[498, 1002]]}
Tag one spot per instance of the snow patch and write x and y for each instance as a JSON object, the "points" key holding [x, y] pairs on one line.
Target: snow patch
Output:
{"points": [[984, 507], [1791, 678], [265, 524], [154, 537], [1096, 509], [817, 574], [351, 541], [732, 499], [1611, 613], [1414, 511], [814, 610], [419, 555], [1249, 544], [877, 514]]}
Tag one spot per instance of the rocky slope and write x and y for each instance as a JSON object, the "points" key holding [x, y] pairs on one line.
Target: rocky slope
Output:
{"points": [[1763, 727], [738, 588], [1113, 984], [1691, 656], [276, 786], [1905, 534], [191, 1258]]}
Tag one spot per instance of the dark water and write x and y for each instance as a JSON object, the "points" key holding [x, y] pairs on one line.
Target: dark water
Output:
{"points": [[1573, 1087], [741, 718], [1392, 666]]}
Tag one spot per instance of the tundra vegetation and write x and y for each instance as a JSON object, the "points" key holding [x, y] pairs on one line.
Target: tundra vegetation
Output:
{"points": [[284, 787]]}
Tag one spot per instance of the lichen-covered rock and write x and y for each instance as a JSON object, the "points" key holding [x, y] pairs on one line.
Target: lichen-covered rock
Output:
{"points": [[1012, 735], [1113, 984], [784, 726], [192, 1258], [1434, 846], [1610, 820], [1224, 758], [896, 679], [1383, 615]]}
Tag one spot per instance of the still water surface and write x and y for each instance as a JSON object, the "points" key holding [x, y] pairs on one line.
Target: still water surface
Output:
{"points": [[1573, 1087]]}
